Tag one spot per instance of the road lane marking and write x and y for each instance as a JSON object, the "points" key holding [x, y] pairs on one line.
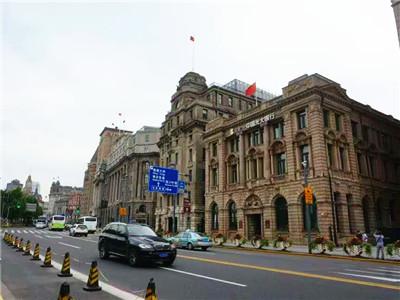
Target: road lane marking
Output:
{"points": [[105, 278], [53, 237], [19, 231], [295, 273], [38, 236], [105, 286], [12, 231], [369, 272], [74, 259], [31, 231], [205, 277], [25, 231], [370, 277], [387, 270], [74, 237], [69, 245]]}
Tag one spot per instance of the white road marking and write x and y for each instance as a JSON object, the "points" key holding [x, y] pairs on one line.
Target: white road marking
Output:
{"points": [[105, 278], [388, 270], [53, 237], [370, 272], [31, 231], [370, 277], [38, 236], [88, 263], [69, 245], [19, 231], [105, 286], [205, 277], [74, 259], [12, 231], [25, 231]]}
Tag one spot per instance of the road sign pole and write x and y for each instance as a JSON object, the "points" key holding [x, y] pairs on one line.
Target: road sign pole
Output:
{"points": [[173, 215]]}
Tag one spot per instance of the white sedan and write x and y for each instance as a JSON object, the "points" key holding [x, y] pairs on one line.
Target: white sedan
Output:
{"points": [[40, 225], [78, 229]]}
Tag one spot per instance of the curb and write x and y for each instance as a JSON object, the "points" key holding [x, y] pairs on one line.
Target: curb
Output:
{"points": [[329, 256]]}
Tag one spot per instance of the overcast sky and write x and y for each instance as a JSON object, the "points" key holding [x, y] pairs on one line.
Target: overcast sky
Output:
{"points": [[69, 69]]}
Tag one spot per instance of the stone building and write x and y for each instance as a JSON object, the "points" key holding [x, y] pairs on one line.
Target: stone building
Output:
{"points": [[60, 196], [255, 175], [125, 178], [13, 185], [396, 11], [193, 105], [86, 205]]}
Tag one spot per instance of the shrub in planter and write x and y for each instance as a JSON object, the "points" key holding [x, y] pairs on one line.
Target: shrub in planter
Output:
{"points": [[256, 241], [219, 239], [393, 249], [322, 244], [355, 246], [282, 242], [237, 240], [160, 232]]}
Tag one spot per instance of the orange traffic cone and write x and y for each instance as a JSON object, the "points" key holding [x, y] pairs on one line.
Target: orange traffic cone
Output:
{"points": [[93, 279], [66, 267], [36, 253], [151, 291], [47, 259]]}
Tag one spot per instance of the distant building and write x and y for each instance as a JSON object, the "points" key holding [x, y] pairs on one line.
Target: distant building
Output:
{"points": [[60, 197], [13, 185], [28, 186], [396, 10]]}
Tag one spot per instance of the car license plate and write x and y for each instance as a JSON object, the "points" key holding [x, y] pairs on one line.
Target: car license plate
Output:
{"points": [[163, 254]]}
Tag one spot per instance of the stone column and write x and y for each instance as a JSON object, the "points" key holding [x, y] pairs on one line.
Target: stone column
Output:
{"points": [[207, 169], [221, 165], [267, 158], [241, 160]]}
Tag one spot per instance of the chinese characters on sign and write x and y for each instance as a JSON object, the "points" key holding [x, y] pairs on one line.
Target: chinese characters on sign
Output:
{"points": [[163, 180]]}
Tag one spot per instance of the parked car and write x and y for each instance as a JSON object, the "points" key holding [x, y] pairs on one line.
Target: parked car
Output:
{"points": [[40, 224], [191, 240], [136, 242], [78, 229]]}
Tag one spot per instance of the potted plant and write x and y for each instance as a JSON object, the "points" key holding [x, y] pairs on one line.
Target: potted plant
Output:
{"points": [[256, 241], [393, 249], [356, 247], [219, 239], [322, 244], [237, 240], [282, 242]]}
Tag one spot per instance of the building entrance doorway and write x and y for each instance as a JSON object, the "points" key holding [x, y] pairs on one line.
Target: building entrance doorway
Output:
{"points": [[253, 225], [170, 224]]}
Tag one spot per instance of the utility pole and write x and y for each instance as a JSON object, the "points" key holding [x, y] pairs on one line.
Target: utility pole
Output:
{"points": [[308, 217]]}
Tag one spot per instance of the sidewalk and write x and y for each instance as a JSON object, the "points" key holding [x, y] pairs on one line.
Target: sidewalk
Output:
{"points": [[304, 250]]}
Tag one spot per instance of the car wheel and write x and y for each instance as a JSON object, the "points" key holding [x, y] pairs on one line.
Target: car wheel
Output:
{"points": [[190, 246], [204, 248], [132, 259], [86, 235], [70, 234], [103, 252], [168, 263]]}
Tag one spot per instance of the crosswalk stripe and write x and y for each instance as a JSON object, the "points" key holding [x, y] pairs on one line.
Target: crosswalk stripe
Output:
{"points": [[12, 231], [370, 272], [19, 231], [370, 277], [25, 231], [31, 231]]}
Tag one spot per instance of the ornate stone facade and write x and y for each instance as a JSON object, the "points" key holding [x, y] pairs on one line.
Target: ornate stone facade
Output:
{"points": [[254, 172]]}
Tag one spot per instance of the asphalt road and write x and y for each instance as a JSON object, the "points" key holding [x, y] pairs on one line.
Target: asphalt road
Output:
{"points": [[226, 274]]}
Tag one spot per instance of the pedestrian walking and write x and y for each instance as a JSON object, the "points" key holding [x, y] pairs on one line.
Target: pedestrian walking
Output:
{"points": [[379, 244]]}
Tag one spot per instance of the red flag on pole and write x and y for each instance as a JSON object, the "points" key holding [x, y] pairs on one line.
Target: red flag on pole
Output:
{"points": [[251, 90], [192, 38]]}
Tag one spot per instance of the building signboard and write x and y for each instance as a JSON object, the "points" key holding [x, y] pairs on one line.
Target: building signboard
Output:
{"points": [[261, 121]]}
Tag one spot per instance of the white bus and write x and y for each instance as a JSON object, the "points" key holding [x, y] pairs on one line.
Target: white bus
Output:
{"points": [[57, 222], [90, 222]]}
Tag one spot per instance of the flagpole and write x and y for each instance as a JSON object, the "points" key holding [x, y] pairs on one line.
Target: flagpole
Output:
{"points": [[255, 93], [193, 57]]}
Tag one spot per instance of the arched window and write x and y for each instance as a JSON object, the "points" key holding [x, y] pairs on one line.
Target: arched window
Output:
{"points": [[232, 216], [281, 211], [142, 209], [313, 214], [214, 216]]}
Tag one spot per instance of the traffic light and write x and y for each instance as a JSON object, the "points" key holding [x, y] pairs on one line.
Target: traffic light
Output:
{"points": [[308, 195], [18, 205], [78, 211]]}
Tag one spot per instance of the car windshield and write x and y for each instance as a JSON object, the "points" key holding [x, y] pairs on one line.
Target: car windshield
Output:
{"points": [[90, 219], [140, 230], [82, 226], [58, 218], [198, 235]]}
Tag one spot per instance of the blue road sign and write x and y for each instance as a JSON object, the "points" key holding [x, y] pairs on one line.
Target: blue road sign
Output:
{"points": [[181, 186], [163, 180]]}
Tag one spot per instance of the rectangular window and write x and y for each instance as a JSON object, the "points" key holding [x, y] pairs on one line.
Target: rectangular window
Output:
{"points": [[219, 98], [281, 163], [336, 197], [230, 101], [178, 119], [372, 166], [302, 119], [338, 122], [350, 213], [278, 130], [261, 167], [205, 114], [365, 133], [190, 155], [354, 129], [330, 154], [232, 145], [191, 114], [304, 154], [214, 149], [214, 175], [176, 157], [342, 155], [233, 175], [146, 138], [190, 175], [189, 195], [190, 136], [360, 164], [326, 118], [240, 104]]}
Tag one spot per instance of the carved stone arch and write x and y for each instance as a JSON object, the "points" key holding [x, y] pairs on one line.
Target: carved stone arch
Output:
{"points": [[213, 163], [330, 134], [252, 151], [253, 201], [232, 158], [300, 136], [277, 146], [277, 196], [342, 139]]}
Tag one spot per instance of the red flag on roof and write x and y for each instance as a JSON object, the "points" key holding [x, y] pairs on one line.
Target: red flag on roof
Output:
{"points": [[192, 38], [251, 90]]}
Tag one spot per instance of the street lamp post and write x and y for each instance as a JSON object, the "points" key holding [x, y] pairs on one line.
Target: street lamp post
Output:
{"points": [[308, 217]]}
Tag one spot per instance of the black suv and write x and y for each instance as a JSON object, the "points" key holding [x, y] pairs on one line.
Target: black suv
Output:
{"points": [[137, 242]]}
